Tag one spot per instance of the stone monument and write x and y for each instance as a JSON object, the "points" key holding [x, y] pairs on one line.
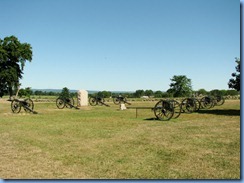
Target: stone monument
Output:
{"points": [[82, 96], [122, 107]]}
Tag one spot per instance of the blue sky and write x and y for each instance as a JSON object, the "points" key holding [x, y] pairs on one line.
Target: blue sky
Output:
{"points": [[125, 45]]}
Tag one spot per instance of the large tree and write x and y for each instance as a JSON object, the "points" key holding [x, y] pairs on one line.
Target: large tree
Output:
{"points": [[139, 93], [148, 93], [202, 92], [235, 82], [13, 55], [180, 86], [65, 93]]}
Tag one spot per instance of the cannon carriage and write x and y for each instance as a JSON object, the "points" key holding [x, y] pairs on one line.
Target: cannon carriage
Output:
{"points": [[97, 100], [190, 105], [120, 100], [17, 104], [164, 110], [68, 102]]}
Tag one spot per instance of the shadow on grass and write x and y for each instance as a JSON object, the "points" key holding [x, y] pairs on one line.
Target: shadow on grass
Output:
{"points": [[156, 119], [151, 119], [226, 112]]}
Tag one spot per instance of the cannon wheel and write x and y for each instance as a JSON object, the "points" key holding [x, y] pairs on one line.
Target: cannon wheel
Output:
{"points": [[69, 102], [206, 102], [60, 103], [29, 104], [220, 100], [189, 105], [163, 110], [92, 101], [116, 100], [177, 108], [198, 104], [15, 106]]}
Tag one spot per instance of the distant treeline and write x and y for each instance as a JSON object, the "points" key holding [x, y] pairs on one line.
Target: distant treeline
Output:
{"points": [[137, 94]]}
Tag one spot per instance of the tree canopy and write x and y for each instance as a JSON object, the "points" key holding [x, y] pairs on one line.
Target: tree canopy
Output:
{"points": [[13, 55], [180, 86], [65, 93], [235, 82]]}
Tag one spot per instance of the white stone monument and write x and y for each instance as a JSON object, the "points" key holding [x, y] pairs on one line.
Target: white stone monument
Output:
{"points": [[82, 96], [122, 107]]}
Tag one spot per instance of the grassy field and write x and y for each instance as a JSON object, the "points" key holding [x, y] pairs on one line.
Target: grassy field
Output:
{"points": [[106, 143]]}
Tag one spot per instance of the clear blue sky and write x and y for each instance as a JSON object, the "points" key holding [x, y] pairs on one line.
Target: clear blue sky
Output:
{"points": [[125, 45]]}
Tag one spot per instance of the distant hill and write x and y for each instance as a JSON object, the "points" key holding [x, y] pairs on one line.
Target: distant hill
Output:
{"points": [[74, 91], [60, 90]]}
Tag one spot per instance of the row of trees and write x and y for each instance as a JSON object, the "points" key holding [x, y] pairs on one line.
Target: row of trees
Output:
{"points": [[161, 94], [137, 94], [14, 54]]}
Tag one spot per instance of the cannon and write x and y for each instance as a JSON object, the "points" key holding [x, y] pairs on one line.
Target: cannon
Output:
{"points": [[163, 110], [120, 99], [17, 104], [190, 105], [208, 102], [97, 100], [62, 102]]}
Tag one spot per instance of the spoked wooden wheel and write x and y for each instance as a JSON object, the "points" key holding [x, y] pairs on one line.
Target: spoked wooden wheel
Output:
{"points": [[116, 100], [163, 110], [188, 105], [92, 101], [60, 103], [28, 105], [220, 100], [206, 102], [198, 104], [15, 106], [177, 108]]}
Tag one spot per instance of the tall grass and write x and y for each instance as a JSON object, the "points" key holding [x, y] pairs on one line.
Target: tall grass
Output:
{"points": [[106, 143]]}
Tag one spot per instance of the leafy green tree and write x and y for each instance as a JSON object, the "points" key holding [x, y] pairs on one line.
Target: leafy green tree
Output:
{"points": [[65, 93], [105, 94], [38, 92], [158, 94], [235, 82], [232, 92], [202, 92], [148, 93], [216, 92], [223, 92], [180, 86], [139, 93], [22, 92], [13, 55], [167, 94]]}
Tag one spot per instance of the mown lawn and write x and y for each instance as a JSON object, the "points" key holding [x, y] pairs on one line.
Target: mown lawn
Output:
{"points": [[106, 143]]}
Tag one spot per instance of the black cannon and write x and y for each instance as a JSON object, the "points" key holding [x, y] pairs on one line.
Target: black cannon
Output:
{"points": [[208, 102], [17, 104], [97, 100], [62, 102], [190, 105], [120, 99], [163, 110]]}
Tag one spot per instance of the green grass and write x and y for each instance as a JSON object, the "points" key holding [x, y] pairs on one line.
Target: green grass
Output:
{"points": [[104, 142]]}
